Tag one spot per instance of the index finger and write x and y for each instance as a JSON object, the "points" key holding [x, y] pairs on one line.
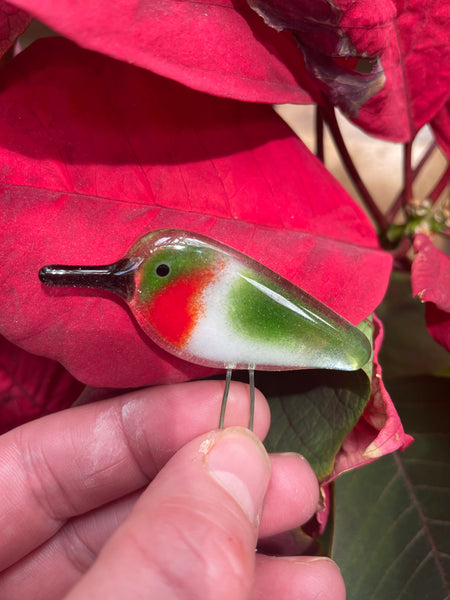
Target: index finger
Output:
{"points": [[71, 462]]}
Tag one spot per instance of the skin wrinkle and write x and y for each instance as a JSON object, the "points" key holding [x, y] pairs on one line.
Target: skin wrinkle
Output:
{"points": [[108, 426], [127, 412], [158, 568], [43, 494], [54, 550], [45, 488], [91, 481], [76, 523], [230, 563], [40, 494], [183, 546], [79, 553], [178, 504], [165, 569], [100, 450]]}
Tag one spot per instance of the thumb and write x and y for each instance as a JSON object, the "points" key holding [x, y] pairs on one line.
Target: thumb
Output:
{"points": [[193, 532]]}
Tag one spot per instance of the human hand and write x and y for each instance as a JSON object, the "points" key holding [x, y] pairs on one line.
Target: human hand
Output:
{"points": [[78, 518]]}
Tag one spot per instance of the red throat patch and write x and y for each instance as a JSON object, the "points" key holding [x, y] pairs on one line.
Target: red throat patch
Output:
{"points": [[176, 309]]}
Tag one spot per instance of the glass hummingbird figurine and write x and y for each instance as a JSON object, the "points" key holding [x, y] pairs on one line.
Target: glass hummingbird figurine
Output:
{"points": [[211, 305]]}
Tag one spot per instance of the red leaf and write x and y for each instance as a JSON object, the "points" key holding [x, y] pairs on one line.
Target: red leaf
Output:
{"points": [[379, 430], [347, 77], [214, 47], [224, 48], [31, 386], [13, 23], [399, 80], [430, 278], [89, 165], [410, 38]]}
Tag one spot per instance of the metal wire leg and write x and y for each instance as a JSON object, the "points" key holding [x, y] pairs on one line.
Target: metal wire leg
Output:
{"points": [[251, 380], [225, 398]]}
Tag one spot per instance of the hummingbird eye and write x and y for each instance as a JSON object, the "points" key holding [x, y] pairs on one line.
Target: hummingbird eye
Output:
{"points": [[162, 270]]}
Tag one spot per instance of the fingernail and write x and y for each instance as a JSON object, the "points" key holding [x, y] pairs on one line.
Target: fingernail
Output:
{"points": [[241, 466]]}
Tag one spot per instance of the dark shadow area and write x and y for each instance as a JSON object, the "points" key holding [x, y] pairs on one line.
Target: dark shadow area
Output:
{"points": [[78, 107]]}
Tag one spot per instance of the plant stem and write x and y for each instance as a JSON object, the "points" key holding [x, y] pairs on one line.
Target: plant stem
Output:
{"points": [[397, 204], [407, 173], [402, 262], [319, 135], [440, 186], [330, 118]]}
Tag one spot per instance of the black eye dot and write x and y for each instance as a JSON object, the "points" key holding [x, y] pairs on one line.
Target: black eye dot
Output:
{"points": [[162, 270]]}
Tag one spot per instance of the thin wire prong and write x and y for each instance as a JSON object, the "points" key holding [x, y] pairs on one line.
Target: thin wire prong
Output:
{"points": [[251, 380], [225, 398]]}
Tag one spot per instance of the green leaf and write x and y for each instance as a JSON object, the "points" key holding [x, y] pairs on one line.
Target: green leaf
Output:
{"points": [[392, 517], [313, 411], [408, 348]]}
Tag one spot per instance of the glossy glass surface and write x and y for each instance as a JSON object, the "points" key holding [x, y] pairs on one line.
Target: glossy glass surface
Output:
{"points": [[212, 305]]}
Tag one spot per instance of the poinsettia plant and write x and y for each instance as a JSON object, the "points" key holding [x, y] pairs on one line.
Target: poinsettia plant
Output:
{"points": [[159, 115]]}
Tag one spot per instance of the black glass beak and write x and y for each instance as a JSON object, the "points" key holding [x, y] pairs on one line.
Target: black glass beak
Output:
{"points": [[118, 277]]}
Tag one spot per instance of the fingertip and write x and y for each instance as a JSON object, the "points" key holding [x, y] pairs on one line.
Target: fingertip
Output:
{"points": [[321, 578], [306, 577], [292, 496]]}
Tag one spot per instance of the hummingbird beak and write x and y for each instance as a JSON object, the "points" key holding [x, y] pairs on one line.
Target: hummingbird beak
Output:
{"points": [[118, 277]]}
